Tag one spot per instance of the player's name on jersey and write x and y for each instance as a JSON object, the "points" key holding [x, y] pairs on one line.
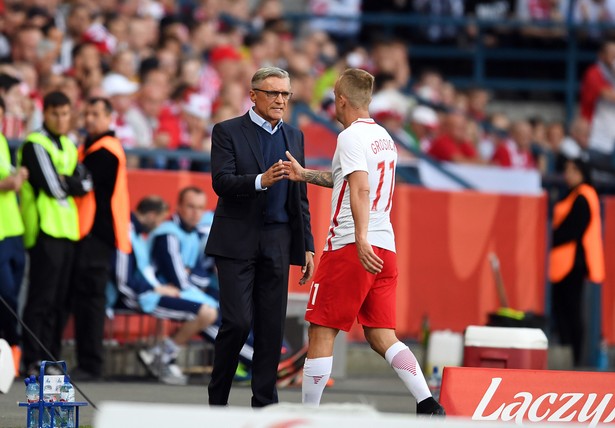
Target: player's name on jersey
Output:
{"points": [[383, 144]]}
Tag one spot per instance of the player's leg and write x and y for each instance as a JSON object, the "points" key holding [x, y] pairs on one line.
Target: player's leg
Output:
{"points": [[377, 315], [339, 287], [318, 364]]}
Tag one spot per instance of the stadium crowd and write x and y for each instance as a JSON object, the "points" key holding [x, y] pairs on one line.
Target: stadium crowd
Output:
{"points": [[174, 69]]}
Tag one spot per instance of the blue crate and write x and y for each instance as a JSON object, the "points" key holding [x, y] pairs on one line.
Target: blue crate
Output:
{"points": [[51, 408]]}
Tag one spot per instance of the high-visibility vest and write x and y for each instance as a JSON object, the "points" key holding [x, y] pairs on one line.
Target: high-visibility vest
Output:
{"points": [[10, 218], [43, 212], [120, 206], [562, 257]]}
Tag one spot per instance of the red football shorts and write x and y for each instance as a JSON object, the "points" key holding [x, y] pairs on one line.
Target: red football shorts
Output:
{"points": [[343, 291]]}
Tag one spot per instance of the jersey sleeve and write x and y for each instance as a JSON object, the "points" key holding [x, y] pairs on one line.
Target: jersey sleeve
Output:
{"points": [[352, 153]]}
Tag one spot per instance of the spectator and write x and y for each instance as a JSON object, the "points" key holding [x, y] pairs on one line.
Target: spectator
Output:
{"points": [[12, 18], [129, 124], [51, 227], [490, 10], [576, 254], [555, 137], [423, 126], [12, 253], [429, 86], [141, 290], [478, 99], [594, 13], [440, 8], [575, 143], [87, 66], [452, 144], [104, 216], [515, 152], [123, 62], [15, 115], [597, 103], [78, 21], [495, 132], [343, 31], [391, 56], [542, 11]]}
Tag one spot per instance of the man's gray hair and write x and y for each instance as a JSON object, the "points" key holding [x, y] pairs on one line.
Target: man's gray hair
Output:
{"points": [[266, 72]]}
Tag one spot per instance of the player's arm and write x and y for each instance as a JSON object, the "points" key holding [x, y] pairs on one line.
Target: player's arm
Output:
{"points": [[359, 206], [299, 173]]}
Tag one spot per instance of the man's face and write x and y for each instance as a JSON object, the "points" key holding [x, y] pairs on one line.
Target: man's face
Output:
{"points": [[265, 105], [608, 55], [97, 119], [57, 119], [191, 208]]}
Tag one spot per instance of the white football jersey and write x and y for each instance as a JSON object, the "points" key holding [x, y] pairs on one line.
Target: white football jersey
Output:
{"points": [[363, 146]]}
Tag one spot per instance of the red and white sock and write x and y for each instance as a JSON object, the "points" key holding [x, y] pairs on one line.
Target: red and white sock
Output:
{"points": [[316, 373], [403, 361]]}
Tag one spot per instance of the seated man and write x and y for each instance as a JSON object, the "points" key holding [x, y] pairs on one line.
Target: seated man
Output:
{"points": [[141, 290]]}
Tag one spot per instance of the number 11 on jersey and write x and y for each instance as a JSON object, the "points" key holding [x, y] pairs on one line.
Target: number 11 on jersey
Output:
{"points": [[381, 168]]}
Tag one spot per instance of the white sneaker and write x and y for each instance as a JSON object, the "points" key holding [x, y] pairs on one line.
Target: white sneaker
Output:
{"points": [[151, 361], [173, 375]]}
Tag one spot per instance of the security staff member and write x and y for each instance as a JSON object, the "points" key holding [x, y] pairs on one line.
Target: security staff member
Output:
{"points": [[577, 253], [104, 225], [51, 226], [12, 252]]}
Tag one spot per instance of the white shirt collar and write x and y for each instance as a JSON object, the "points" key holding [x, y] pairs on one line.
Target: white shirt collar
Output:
{"points": [[259, 121]]}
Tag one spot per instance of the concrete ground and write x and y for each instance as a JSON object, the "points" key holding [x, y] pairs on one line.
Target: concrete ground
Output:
{"points": [[369, 381]]}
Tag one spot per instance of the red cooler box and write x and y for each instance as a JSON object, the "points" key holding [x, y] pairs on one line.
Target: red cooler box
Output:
{"points": [[505, 348]]}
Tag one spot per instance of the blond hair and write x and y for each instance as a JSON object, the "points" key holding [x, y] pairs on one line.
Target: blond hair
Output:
{"points": [[356, 86]]}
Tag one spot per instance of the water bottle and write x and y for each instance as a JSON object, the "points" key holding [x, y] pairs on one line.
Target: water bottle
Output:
{"points": [[32, 396], [48, 411], [434, 383], [67, 395]]}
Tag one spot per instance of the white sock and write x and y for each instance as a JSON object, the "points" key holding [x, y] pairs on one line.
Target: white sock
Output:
{"points": [[170, 350], [403, 361], [316, 373]]}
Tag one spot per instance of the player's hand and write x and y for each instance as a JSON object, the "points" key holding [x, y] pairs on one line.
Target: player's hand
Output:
{"points": [[296, 170], [278, 171], [167, 290], [308, 269], [370, 261]]}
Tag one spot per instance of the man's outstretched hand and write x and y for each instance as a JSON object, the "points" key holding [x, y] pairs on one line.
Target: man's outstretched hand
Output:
{"points": [[296, 170]]}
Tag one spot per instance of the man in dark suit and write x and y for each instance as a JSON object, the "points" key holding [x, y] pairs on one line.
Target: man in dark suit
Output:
{"points": [[261, 226]]}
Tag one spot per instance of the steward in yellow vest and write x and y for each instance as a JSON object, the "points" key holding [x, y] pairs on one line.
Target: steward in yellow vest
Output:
{"points": [[51, 226], [12, 253], [576, 253], [104, 226]]}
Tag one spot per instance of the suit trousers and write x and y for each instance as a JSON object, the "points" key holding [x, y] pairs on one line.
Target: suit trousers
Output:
{"points": [[51, 262], [253, 293], [87, 291]]}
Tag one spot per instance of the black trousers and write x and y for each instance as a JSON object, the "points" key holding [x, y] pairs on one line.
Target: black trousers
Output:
{"points": [[12, 265], [51, 262], [88, 301], [253, 293], [567, 298]]}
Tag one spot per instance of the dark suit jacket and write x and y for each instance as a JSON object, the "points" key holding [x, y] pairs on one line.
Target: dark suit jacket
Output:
{"points": [[236, 160]]}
